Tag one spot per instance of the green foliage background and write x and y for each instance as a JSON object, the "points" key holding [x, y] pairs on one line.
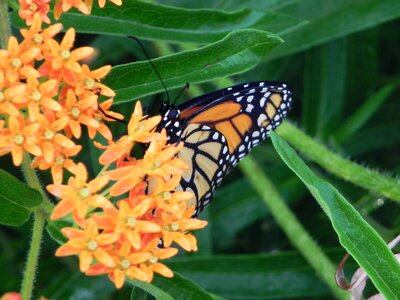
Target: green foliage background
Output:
{"points": [[342, 61]]}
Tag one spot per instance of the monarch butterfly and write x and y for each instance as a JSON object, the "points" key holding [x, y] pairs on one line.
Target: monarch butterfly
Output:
{"points": [[220, 128]]}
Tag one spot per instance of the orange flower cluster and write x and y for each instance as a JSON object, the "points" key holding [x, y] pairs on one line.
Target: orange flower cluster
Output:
{"points": [[28, 8], [123, 239], [46, 95]]}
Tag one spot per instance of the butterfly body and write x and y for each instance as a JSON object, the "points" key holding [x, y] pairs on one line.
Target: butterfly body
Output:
{"points": [[220, 128]]}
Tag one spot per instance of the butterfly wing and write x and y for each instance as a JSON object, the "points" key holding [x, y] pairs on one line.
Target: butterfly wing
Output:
{"points": [[220, 128]]}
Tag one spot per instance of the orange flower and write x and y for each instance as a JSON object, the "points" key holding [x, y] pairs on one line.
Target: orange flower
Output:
{"points": [[79, 195], [28, 8], [34, 36], [65, 5], [103, 2], [89, 244], [8, 96], [38, 97], [20, 136], [17, 62], [152, 265], [140, 129], [128, 221], [126, 264], [60, 162], [160, 160], [79, 112], [61, 62], [89, 81], [176, 229]]}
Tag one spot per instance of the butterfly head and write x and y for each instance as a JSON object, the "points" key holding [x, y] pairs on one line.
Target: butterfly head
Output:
{"points": [[171, 121]]}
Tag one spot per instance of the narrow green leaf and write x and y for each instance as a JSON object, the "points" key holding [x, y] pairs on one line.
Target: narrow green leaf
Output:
{"points": [[363, 113], [158, 22], [340, 18], [359, 175], [356, 235], [17, 200], [151, 289], [236, 53], [175, 288], [54, 230]]}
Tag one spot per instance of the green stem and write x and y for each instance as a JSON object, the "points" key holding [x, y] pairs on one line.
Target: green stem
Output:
{"points": [[33, 255], [5, 30], [33, 181], [296, 233], [37, 232], [361, 176]]}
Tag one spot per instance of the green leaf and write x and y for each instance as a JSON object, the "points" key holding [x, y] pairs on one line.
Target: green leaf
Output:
{"points": [[158, 22], [283, 275], [363, 113], [54, 230], [356, 235], [17, 200], [174, 288], [236, 53], [332, 19], [324, 87]]}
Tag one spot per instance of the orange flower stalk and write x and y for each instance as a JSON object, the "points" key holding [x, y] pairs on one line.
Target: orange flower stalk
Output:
{"points": [[47, 96], [136, 204]]}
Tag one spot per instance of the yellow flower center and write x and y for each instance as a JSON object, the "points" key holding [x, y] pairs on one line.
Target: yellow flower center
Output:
{"points": [[65, 54], [156, 164], [174, 226], [171, 227], [153, 259], [1, 96], [49, 134], [33, 7], [36, 96], [16, 62], [19, 139], [75, 112], [165, 195], [131, 221], [92, 245], [59, 160], [37, 38], [125, 263], [88, 82], [84, 192]]}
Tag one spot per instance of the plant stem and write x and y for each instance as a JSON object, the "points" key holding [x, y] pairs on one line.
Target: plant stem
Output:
{"points": [[37, 231], [33, 181], [296, 233], [5, 30], [33, 255], [359, 175]]}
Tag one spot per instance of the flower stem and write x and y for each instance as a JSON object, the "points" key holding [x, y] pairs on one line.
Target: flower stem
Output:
{"points": [[5, 30], [33, 255], [33, 181], [359, 175], [38, 226]]}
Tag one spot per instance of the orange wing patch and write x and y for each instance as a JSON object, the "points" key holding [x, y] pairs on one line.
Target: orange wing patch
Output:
{"points": [[226, 118], [225, 110]]}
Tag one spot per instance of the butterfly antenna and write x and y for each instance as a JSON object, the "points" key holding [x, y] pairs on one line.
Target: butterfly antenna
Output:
{"points": [[152, 64], [181, 92]]}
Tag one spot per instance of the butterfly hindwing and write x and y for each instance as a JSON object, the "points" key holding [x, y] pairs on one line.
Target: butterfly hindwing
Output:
{"points": [[220, 128]]}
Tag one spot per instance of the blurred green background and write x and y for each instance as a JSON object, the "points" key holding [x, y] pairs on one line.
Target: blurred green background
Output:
{"points": [[342, 61]]}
